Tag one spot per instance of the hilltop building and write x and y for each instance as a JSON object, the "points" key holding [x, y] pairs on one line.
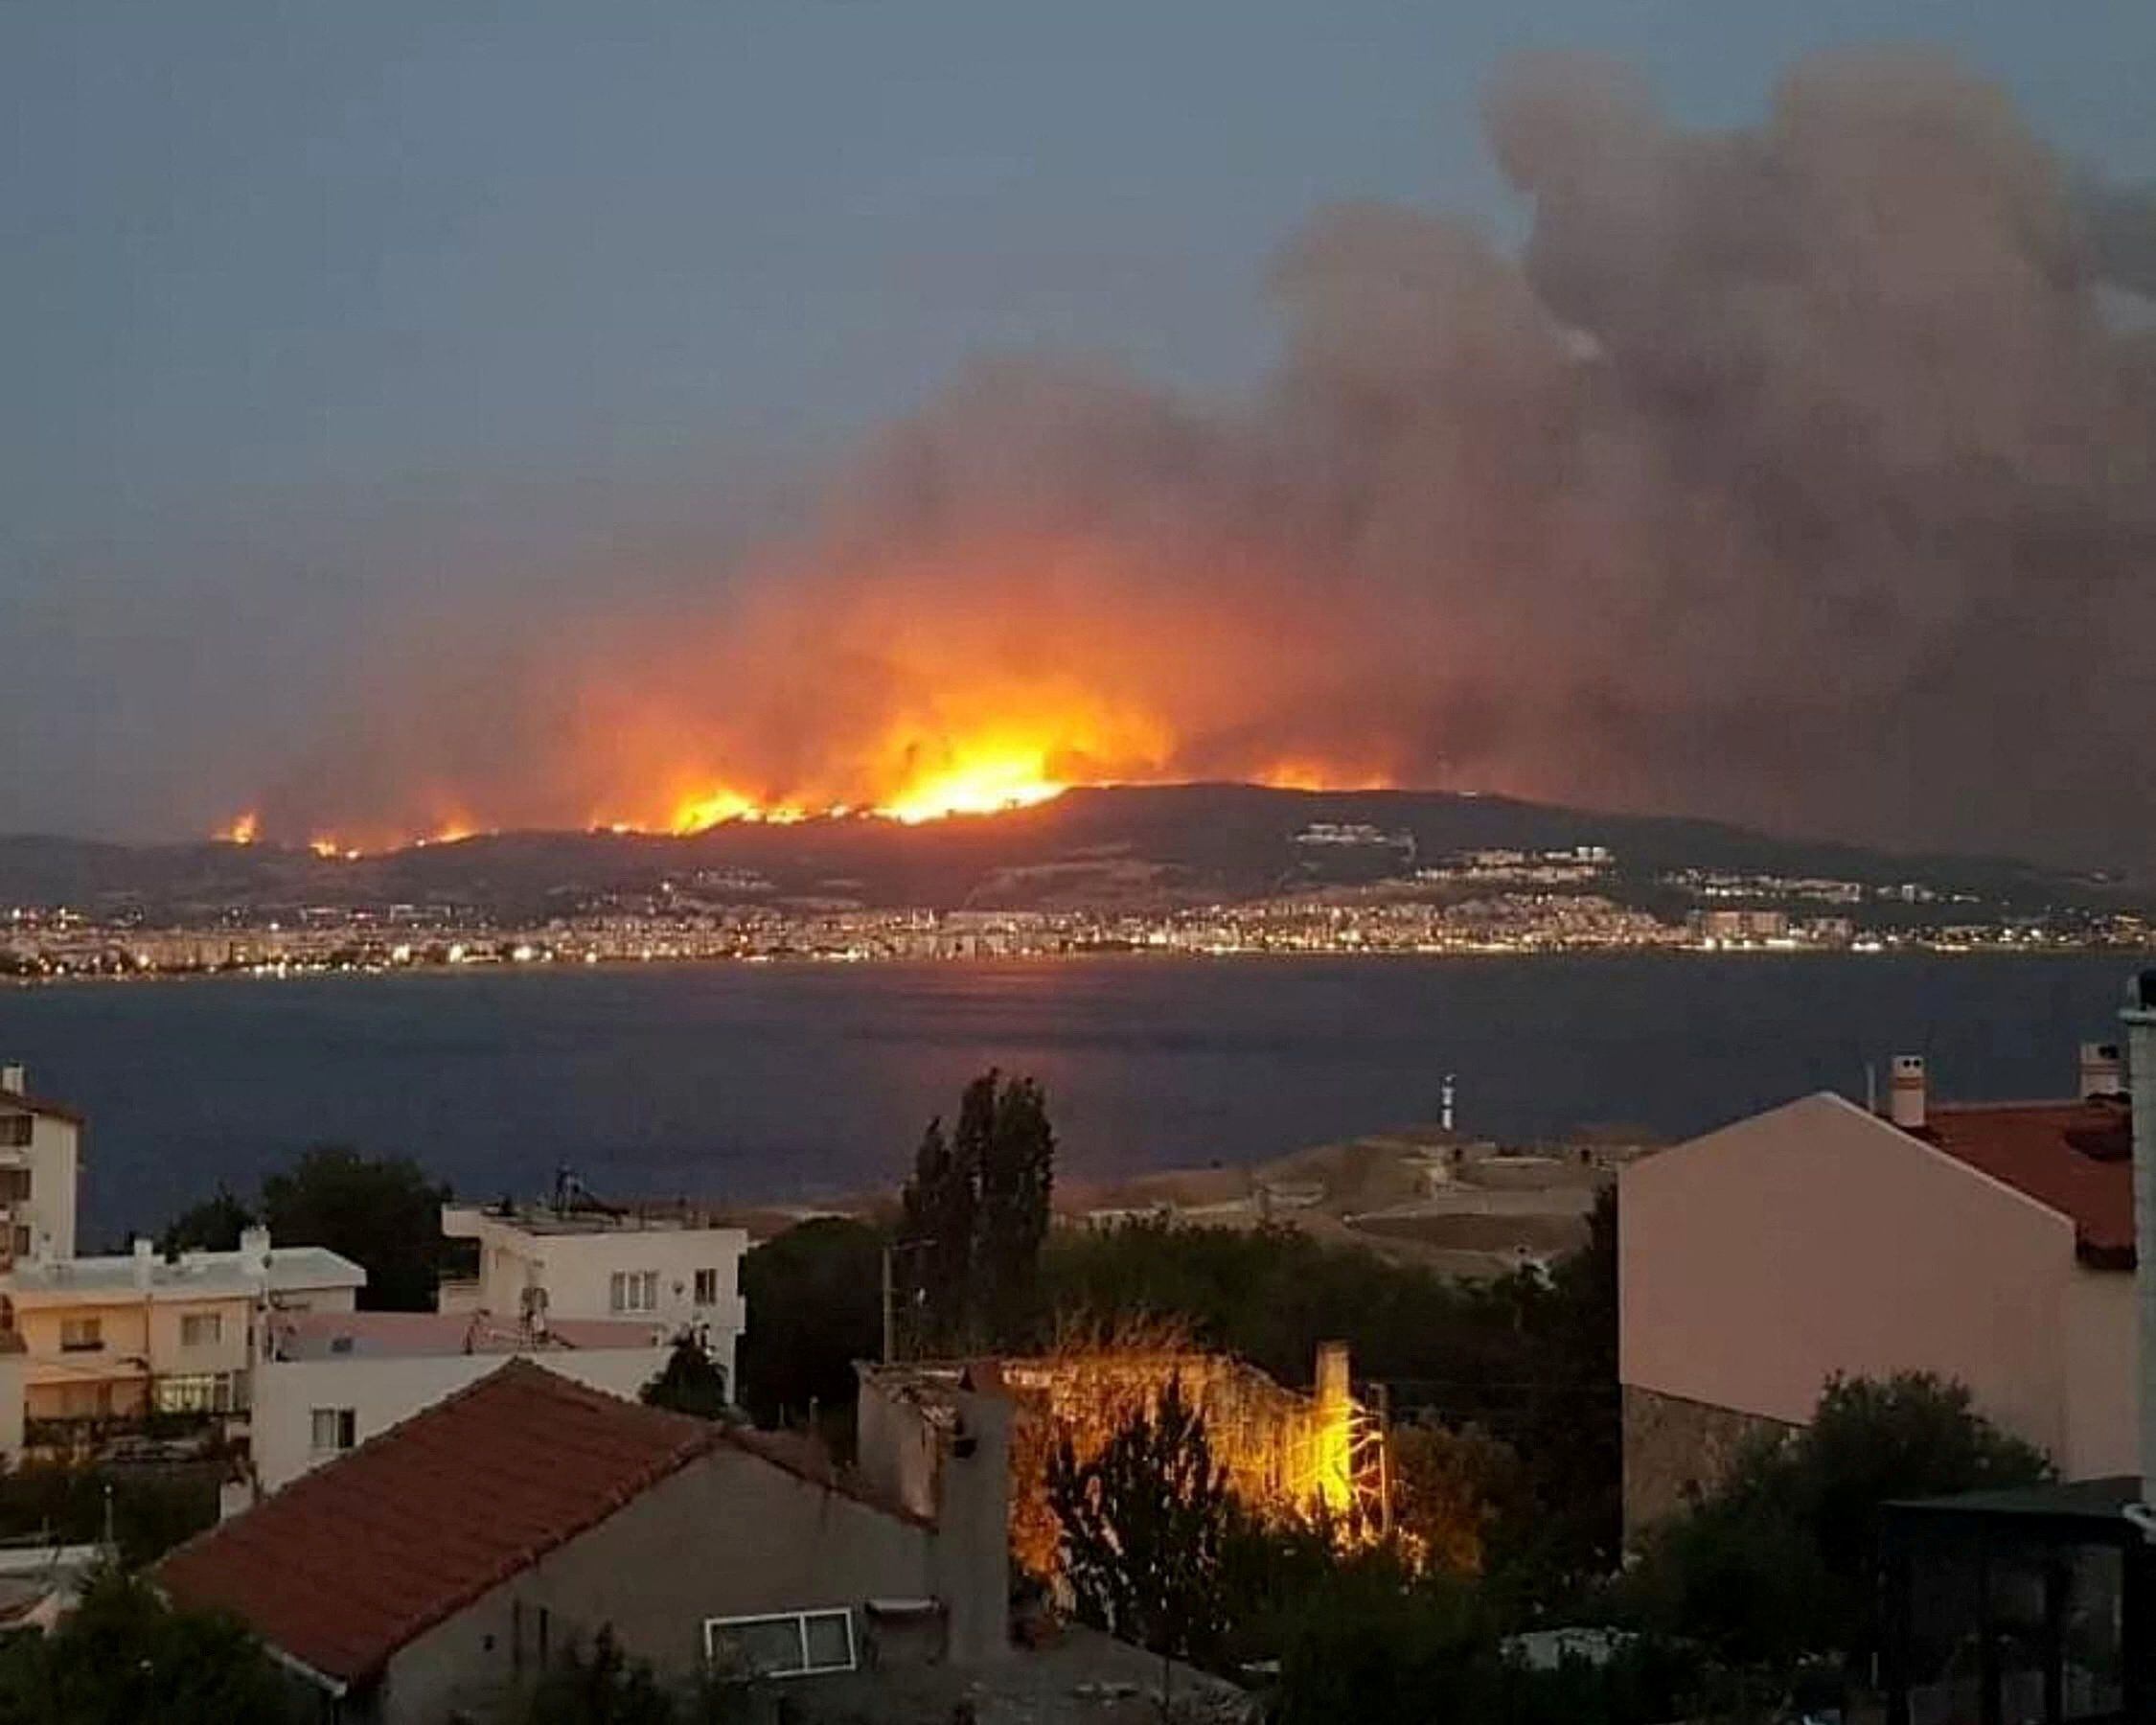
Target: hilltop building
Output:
{"points": [[576, 1257], [1992, 1244]]}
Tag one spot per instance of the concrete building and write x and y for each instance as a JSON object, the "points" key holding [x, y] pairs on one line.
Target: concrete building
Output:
{"points": [[526, 1511], [328, 1381], [40, 1155], [88, 1340], [1990, 1244], [576, 1260]]}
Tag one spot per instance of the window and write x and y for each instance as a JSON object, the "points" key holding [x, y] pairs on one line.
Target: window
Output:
{"points": [[633, 1291], [201, 1330], [199, 1392], [707, 1287], [14, 1185], [334, 1429], [15, 1131], [81, 1334], [791, 1643]]}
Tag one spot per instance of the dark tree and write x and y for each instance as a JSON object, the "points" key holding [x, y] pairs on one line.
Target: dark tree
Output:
{"points": [[812, 1311], [382, 1212], [974, 1215], [1147, 1525], [212, 1225], [124, 1656], [935, 1244], [691, 1382], [1017, 1183]]}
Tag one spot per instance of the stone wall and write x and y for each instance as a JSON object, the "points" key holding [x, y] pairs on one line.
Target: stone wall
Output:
{"points": [[1677, 1449]]}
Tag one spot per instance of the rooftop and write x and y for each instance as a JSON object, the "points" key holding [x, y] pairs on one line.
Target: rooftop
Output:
{"points": [[409, 1335], [195, 1276], [354, 1560], [2074, 1158], [461, 1221], [13, 1101]]}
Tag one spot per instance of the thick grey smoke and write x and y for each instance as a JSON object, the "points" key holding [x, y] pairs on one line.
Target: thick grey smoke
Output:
{"points": [[1799, 475]]}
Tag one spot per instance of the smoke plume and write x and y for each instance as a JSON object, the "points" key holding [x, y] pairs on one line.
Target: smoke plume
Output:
{"points": [[1801, 475]]}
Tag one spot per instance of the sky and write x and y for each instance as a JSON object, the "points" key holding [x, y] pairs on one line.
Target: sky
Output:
{"points": [[325, 318]]}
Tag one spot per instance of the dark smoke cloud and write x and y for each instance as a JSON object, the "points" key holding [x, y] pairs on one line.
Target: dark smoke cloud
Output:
{"points": [[1797, 475]]}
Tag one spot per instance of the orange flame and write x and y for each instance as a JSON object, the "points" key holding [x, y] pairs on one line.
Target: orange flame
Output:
{"points": [[241, 829]]}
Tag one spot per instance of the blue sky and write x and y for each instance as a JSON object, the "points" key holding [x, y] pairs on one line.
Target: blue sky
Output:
{"points": [[314, 308]]}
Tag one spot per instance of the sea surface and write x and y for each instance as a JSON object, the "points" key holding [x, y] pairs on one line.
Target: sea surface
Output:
{"points": [[755, 1082]]}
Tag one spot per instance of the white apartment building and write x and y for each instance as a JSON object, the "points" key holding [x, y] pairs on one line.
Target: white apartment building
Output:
{"points": [[84, 1340], [330, 1380], [579, 1262], [40, 1151]]}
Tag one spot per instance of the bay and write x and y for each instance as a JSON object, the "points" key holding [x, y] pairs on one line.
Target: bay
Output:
{"points": [[760, 1082]]}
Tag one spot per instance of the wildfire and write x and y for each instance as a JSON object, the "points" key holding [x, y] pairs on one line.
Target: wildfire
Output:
{"points": [[241, 830]]}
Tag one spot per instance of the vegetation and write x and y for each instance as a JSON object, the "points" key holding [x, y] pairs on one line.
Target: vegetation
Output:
{"points": [[813, 1308], [1776, 1570], [381, 1212], [974, 1218], [691, 1382], [604, 1686], [125, 1656], [1147, 1525], [1529, 1363], [70, 1504]]}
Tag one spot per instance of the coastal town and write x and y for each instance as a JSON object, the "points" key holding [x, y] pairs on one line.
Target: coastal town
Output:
{"points": [[1484, 902]]}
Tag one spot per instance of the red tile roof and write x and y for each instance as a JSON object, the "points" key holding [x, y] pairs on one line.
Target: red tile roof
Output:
{"points": [[2070, 1157], [349, 1563]]}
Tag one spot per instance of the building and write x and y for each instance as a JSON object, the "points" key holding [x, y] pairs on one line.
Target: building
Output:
{"points": [[434, 1570], [41, 1154], [1315, 1454], [575, 1258], [1990, 1244], [87, 1341], [328, 1381]]}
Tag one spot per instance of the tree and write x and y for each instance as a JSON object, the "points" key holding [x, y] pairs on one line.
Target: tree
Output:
{"points": [[1147, 1530], [381, 1212], [691, 1382], [1449, 1489], [1777, 1564], [812, 1293], [124, 1656], [213, 1225], [974, 1215]]}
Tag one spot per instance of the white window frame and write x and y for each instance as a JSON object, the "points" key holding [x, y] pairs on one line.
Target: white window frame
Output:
{"points": [[347, 1419], [713, 1626], [633, 1291], [196, 1321]]}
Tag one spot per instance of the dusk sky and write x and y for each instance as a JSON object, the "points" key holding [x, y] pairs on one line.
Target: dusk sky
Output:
{"points": [[326, 317]]}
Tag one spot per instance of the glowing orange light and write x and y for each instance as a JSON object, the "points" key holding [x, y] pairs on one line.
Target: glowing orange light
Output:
{"points": [[243, 830]]}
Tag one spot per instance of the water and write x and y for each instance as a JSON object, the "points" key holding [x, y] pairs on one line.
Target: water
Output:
{"points": [[750, 1082]]}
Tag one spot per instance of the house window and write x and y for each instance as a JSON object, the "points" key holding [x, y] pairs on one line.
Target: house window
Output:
{"points": [[790, 1643], [14, 1185], [707, 1287], [201, 1330], [199, 1392], [334, 1429], [633, 1291], [15, 1131], [81, 1334]]}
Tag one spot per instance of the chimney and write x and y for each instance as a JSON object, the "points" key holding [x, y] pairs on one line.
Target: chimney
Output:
{"points": [[254, 1250], [2139, 1019], [2102, 1072], [1905, 1093], [971, 1558], [146, 1262], [13, 1079]]}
